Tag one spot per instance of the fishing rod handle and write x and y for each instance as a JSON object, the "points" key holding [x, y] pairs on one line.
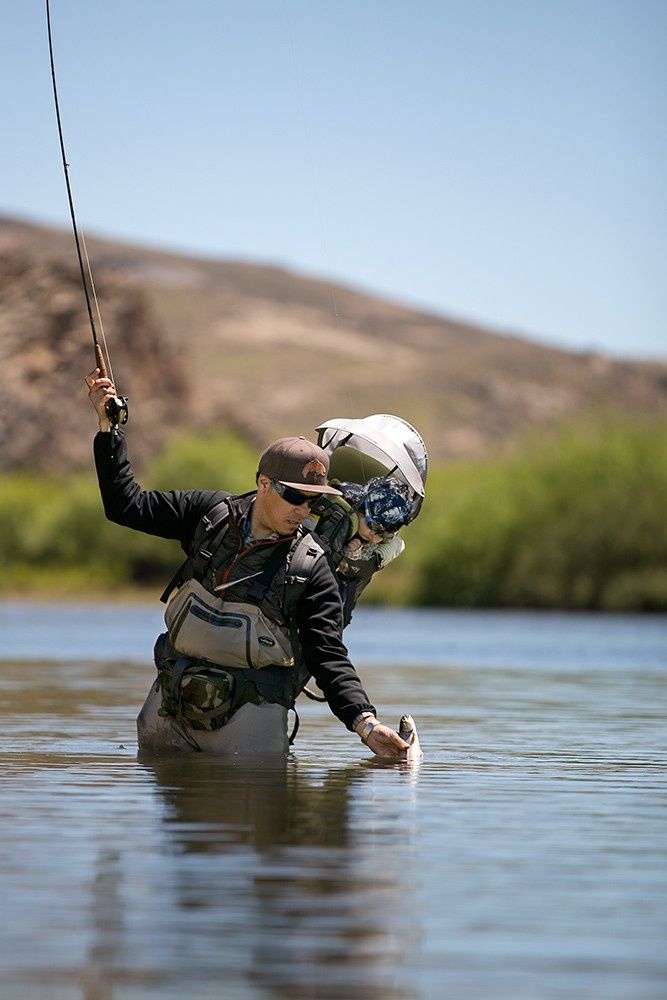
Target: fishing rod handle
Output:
{"points": [[99, 361]]}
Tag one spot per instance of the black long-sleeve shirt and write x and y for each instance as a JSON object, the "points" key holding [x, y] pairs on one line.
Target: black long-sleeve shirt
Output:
{"points": [[176, 514]]}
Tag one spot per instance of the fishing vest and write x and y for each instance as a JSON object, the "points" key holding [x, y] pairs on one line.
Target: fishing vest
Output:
{"points": [[231, 621]]}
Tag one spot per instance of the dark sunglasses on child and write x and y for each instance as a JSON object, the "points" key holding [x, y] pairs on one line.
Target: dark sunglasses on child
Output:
{"points": [[295, 497], [376, 527], [379, 529]]}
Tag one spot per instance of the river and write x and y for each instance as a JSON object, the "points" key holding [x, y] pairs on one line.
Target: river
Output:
{"points": [[525, 858]]}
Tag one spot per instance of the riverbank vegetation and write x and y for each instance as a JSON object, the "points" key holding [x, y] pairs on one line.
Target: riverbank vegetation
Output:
{"points": [[575, 521]]}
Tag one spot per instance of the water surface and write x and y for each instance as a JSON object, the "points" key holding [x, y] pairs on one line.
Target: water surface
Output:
{"points": [[525, 858]]}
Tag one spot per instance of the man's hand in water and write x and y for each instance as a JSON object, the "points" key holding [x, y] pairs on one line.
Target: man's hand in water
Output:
{"points": [[385, 742]]}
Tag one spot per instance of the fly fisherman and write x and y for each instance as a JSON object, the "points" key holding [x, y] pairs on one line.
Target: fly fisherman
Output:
{"points": [[254, 610]]}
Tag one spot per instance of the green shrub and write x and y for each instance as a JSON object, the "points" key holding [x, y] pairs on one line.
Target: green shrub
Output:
{"points": [[53, 532], [21, 497], [555, 526], [575, 521], [220, 461]]}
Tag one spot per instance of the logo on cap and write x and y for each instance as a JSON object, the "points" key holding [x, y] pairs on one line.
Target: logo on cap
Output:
{"points": [[314, 469]]}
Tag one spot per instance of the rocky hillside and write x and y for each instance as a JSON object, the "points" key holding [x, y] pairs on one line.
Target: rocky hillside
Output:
{"points": [[199, 342], [46, 350]]}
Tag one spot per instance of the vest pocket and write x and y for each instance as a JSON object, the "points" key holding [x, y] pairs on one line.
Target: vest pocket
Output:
{"points": [[229, 633]]}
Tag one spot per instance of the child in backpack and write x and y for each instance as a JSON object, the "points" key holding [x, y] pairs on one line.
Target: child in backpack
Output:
{"points": [[366, 539], [382, 506]]}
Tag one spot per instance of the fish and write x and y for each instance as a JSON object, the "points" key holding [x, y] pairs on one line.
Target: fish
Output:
{"points": [[407, 730]]}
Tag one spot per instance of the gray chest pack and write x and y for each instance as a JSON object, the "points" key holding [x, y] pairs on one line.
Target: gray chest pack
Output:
{"points": [[243, 622], [233, 642]]}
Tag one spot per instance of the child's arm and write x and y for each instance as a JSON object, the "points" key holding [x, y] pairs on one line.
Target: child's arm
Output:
{"points": [[385, 552]]}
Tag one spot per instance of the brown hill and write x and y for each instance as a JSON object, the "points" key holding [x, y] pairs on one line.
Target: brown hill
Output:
{"points": [[198, 342]]}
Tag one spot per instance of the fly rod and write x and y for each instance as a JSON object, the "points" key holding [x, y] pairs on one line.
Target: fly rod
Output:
{"points": [[116, 408]]}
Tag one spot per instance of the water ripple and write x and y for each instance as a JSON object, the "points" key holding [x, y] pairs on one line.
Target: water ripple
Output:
{"points": [[524, 858]]}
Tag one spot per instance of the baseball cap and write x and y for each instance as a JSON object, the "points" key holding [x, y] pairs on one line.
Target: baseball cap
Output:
{"points": [[294, 461]]}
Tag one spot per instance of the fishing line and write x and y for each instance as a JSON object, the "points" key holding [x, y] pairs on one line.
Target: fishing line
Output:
{"points": [[315, 186], [313, 178], [116, 409], [97, 307]]}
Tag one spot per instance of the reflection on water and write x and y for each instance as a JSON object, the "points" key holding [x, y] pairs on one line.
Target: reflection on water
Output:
{"points": [[525, 858], [298, 898]]}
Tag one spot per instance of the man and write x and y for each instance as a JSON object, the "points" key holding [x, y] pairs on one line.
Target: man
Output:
{"points": [[245, 629]]}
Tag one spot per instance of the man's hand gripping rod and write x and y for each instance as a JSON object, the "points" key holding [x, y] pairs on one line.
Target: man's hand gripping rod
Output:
{"points": [[116, 408]]}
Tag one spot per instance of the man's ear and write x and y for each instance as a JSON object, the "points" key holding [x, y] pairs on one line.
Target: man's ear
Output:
{"points": [[263, 483]]}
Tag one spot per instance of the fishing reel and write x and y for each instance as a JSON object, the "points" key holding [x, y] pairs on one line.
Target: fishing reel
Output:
{"points": [[116, 410]]}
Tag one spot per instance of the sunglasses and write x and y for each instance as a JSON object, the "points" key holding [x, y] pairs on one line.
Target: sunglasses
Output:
{"points": [[294, 497], [378, 529]]}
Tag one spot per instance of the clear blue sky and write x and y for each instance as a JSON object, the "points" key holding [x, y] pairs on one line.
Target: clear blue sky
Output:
{"points": [[503, 161]]}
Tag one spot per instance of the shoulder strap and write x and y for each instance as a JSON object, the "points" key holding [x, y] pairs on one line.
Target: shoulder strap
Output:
{"points": [[215, 520], [305, 555], [207, 537], [334, 522]]}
